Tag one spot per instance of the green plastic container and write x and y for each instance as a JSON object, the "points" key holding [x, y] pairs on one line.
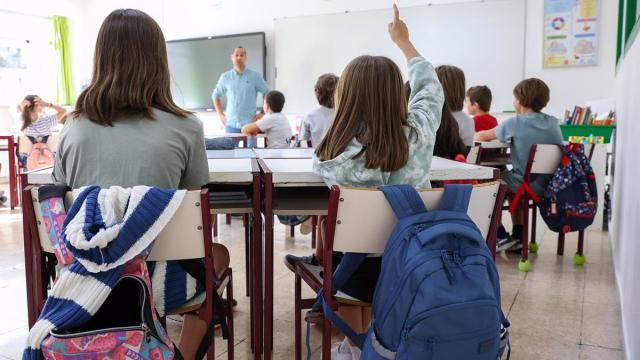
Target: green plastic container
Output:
{"points": [[586, 130]]}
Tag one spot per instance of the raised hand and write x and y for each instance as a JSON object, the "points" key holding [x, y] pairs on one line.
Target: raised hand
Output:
{"points": [[398, 30], [399, 34]]}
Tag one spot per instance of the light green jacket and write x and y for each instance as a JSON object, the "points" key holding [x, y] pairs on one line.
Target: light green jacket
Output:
{"points": [[425, 111]]}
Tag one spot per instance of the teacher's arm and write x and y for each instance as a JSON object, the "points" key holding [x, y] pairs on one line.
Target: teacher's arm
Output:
{"points": [[216, 96]]}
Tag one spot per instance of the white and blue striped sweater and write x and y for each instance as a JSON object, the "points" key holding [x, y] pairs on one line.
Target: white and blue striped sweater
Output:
{"points": [[104, 229]]}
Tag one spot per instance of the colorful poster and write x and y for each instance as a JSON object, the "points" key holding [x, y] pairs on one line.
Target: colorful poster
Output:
{"points": [[570, 32]]}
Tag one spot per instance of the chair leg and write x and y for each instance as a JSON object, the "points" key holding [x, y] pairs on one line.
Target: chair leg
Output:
{"points": [[581, 242], [247, 261], [560, 251], [298, 319], [579, 258], [534, 220], [230, 340], [292, 231], [326, 338], [314, 225], [214, 217], [228, 219], [211, 351], [525, 264]]}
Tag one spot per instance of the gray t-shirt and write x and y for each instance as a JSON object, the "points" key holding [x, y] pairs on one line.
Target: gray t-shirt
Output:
{"points": [[315, 124], [466, 127], [525, 130], [167, 152], [277, 129]]}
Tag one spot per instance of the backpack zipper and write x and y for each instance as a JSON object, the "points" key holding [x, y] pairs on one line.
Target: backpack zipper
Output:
{"points": [[144, 327]]}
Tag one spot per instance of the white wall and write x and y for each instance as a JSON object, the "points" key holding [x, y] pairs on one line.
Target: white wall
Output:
{"points": [[625, 226], [180, 19], [573, 85]]}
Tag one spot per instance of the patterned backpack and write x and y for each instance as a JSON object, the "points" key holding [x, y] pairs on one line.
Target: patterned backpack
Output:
{"points": [[39, 157], [125, 327], [571, 199]]}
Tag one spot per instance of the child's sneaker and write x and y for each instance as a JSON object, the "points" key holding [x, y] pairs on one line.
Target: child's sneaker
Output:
{"points": [[505, 244], [291, 260], [503, 239], [344, 351]]}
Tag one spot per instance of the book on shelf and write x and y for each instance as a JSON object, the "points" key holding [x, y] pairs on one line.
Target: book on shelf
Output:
{"points": [[585, 116]]}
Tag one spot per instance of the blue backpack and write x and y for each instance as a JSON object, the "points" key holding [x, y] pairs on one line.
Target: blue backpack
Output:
{"points": [[570, 201], [438, 294]]}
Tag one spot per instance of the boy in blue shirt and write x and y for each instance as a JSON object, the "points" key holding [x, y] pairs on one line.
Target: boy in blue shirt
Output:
{"points": [[530, 126]]}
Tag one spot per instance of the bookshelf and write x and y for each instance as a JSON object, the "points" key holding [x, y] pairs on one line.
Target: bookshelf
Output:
{"points": [[587, 130]]}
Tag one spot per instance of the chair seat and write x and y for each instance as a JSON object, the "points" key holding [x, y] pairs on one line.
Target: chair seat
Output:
{"points": [[311, 275], [195, 303]]}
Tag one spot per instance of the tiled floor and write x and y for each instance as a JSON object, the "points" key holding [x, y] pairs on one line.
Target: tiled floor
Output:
{"points": [[557, 311]]}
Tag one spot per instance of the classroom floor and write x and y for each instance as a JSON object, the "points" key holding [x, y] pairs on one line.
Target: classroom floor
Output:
{"points": [[557, 311]]}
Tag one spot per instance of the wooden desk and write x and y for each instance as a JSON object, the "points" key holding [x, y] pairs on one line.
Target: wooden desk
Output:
{"points": [[289, 153], [8, 144], [241, 173], [240, 153]]}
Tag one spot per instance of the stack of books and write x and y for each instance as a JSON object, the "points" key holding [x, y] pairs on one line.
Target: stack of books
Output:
{"points": [[584, 116]]}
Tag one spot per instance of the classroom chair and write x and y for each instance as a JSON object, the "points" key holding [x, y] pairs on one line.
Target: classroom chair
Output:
{"points": [[474, 154], [355, 214], [544, 159], [191, 225]]}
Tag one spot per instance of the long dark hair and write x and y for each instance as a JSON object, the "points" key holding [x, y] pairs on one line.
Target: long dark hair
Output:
{"points": [[448, 141], [130, 71], [370, 107], [27, 118]]}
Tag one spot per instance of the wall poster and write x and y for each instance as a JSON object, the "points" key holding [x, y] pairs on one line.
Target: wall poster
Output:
{"points": [[570, 32]]}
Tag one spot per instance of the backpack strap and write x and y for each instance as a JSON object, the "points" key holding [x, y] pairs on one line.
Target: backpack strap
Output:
{"points": [[348, 265], [404, 200], [456, 197]]}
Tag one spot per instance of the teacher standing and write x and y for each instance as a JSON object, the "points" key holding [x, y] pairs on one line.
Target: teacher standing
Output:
{"points": [[240, 86]]}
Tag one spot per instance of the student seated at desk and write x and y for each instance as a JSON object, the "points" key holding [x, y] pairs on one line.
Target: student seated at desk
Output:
{"points": [[37, 126], [530, 126], [315, 124], [112, 139], [448, 144], [453, 83], [274, 125], [478, 103], [377, 139]]}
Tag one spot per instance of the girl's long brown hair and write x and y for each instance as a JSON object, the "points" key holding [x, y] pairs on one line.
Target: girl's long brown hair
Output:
{"points": [[370, 107], [448, 141], [453, 83], [130, 71], [27, 120]]}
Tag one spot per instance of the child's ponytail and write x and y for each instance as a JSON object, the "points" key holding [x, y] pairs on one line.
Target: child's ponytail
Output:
{"points": [[27, 110]]}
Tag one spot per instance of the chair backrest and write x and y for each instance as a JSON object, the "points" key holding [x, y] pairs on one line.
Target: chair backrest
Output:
{"points": [[545, 158], [182, 238], [365, 220], [473, 157]]}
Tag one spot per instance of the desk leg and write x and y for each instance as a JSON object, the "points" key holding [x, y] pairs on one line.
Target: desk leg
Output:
{"points": [[256, 273], [13, 186], [29, 268], [268, 272], [248, 226]]}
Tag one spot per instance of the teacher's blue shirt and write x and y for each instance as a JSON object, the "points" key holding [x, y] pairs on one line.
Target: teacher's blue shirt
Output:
{"points": [[241, 90]]}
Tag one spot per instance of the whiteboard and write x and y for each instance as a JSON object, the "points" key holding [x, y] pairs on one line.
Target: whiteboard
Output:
{"points": [[485, 39]]}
